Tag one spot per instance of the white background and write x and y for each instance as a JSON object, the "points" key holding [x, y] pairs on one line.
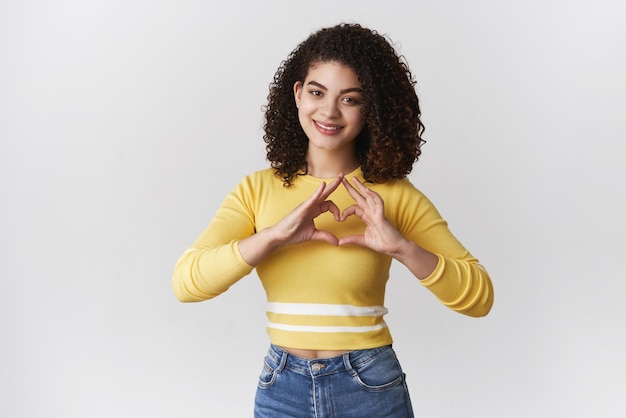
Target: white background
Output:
{"points": [[123, 125]]}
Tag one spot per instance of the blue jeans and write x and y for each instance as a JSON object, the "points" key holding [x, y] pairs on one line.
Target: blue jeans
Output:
{"points": [[362, 383]]}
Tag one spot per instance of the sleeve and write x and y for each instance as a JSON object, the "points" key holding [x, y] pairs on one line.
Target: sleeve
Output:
{"points": [[459, 281], [213, 263]]}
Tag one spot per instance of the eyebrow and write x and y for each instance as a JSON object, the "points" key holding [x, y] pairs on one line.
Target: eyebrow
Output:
{"points": [[349, 90]]}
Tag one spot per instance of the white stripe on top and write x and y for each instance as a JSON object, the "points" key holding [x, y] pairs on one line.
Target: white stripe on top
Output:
{"points": [[323, 309], [310, 328]]}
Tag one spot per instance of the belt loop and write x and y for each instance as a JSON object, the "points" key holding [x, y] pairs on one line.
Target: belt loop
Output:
{"points": [[283, 360], [346, 362]]}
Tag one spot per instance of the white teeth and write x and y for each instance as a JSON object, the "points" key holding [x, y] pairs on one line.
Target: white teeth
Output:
{"points": [[330, 128]]}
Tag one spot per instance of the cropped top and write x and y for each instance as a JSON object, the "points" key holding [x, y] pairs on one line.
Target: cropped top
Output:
{"points": [[320, 296]]}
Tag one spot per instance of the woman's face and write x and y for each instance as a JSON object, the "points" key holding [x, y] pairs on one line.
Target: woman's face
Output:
{"points": [[329, 105]]}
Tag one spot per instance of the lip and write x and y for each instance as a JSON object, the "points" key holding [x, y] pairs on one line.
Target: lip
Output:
{"points": [[327, 128]]}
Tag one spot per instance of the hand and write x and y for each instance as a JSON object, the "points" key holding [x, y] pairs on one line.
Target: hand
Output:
{"points": [[379, 234], [298, 226]]}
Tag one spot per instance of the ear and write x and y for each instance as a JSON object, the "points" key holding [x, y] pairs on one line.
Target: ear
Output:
{"points": [[297, 92]]}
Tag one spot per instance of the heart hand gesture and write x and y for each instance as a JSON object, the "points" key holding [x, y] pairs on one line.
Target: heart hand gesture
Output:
{"points": [[298, 226], [379, 234]]}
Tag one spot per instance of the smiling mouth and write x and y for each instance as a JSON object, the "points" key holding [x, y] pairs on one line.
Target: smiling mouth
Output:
{"points": [[330, 128]]}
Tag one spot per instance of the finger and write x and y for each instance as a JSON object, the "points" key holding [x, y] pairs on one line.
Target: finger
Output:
{"points": [[330, 206], [353, 192], [351, 210], [374, 202], [332, 186], [352, 240], [320, 235], [364, 190], [318, 192], [313, 198]]}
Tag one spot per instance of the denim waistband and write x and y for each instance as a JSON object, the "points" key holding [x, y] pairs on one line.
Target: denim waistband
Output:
{"points": [[319, 367]]}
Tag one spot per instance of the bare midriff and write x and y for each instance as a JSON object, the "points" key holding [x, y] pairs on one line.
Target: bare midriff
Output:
{"points": [[314, 354]]}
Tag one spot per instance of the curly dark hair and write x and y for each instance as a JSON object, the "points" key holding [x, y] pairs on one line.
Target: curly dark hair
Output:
{"points": [[390, 141]]}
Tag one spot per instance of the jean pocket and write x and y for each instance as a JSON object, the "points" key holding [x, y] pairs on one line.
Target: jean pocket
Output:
{"points": [[380, 373], [268, 375]]}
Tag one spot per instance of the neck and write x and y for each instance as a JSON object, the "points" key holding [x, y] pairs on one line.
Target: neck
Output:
{"points": [[330, 165]]}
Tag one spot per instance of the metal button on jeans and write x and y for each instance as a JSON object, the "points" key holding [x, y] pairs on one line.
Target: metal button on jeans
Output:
{"points": [[317, 366]]}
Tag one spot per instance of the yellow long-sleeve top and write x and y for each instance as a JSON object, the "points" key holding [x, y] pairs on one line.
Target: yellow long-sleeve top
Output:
{"points": [[320, 296]]}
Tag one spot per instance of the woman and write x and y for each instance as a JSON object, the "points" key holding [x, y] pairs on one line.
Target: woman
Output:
{"points": [[322, 226]]}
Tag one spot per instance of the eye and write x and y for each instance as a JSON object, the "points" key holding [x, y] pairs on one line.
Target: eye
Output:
{"points": [[351, 101], [315, 93]]}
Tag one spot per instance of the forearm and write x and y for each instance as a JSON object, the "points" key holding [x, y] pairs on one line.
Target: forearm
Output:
{"points": [[257, 247], [419, 261], [462, 285], [203, 273]]}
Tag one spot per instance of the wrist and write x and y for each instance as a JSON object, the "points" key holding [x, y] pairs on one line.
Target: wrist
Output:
{"points": [[418, 260], [256, 247], [401, 250], [272, 238]]}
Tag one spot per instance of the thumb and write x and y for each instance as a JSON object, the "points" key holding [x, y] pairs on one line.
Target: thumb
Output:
{"points": [[355, 239], [325, 236]]}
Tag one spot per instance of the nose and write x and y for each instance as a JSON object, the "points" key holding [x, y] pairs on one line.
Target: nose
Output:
{"points": [[330, 109]]}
